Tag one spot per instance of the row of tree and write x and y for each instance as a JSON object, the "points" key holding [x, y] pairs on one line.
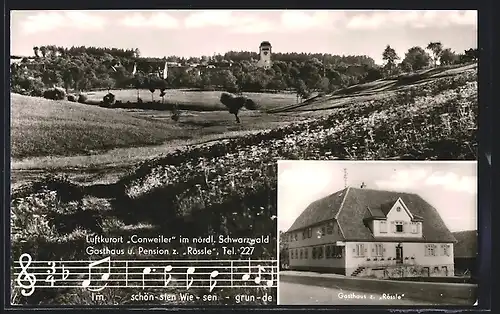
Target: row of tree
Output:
{"points": [[416, 58], [87, 68]]}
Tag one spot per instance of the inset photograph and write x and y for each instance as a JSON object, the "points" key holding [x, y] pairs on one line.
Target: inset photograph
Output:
{"points": [[377, 233]]}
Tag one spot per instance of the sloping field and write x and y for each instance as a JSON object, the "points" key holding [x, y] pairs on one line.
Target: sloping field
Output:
{"points": [[376, 89], [41, 127]]}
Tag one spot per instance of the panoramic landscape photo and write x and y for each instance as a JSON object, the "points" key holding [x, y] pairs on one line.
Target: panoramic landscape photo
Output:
{"points": [[177, 133]]}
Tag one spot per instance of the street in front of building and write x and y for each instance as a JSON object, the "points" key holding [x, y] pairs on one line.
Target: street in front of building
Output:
{"points": [[299, 294]]}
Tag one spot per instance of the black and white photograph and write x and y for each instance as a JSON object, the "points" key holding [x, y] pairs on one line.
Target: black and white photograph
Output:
{"points": [[377, 233], [144, 144]]}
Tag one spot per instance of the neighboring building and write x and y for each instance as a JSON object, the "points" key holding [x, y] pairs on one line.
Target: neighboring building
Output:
{"points": [[465, 252], [265, 55], [365, 232]]}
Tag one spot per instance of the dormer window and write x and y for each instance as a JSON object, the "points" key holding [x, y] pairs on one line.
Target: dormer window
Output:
{"points": [[399, 227]]}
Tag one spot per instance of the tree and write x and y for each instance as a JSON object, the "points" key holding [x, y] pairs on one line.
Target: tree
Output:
{"points": [[390, 56], [436, 48], [35, 50], [447, 57], [43, 50], [417, 58], [302, 91]]}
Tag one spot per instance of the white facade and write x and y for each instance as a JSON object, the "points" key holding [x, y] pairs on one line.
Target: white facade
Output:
{"points": [[425, 257], [398, 223]]}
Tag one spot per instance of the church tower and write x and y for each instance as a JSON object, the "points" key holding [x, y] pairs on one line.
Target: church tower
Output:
{"points": [[265, 55]]}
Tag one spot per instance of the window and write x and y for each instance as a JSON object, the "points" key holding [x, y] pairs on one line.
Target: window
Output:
{"points": [[291, 254], [414, 227], [383, 226], [398, 209], [320, 252], [430, 250], [303, 234], [329, 228], [301, 253], [306, 253], [399, 226], [378, 250], [329, 251], [309, 233], [323, 231], [359, 250], [337, 251], [314, 253], [446, 249]]}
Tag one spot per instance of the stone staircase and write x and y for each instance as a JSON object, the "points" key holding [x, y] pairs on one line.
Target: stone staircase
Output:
{"points": [[358, 270]]}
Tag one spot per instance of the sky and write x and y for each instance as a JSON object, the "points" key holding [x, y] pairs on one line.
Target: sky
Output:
{"points": [[450, 187], [195, 33]]}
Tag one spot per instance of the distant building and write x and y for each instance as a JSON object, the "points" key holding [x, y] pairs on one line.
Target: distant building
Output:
{"points": [[365, 232], [265, 55], [465, 252]]}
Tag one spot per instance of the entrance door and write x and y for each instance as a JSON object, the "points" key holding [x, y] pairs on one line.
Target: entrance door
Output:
{"points": [[399, 254]]}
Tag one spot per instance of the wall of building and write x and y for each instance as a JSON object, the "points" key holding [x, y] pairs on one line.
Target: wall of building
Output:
{"points": [[315, 237], [414, 255], [394, 216]]}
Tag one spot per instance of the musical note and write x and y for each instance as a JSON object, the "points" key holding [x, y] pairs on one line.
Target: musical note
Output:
{"points": [[105, 276], [214, 274], [167, 269], [145, 271], [259, 276], [25, 276], [246, 276], [269, 283], [189, 271]]}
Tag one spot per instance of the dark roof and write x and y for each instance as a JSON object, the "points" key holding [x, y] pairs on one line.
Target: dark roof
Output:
{"points": [[352, 206], [320, 210], [265, 43], [466, 245]]}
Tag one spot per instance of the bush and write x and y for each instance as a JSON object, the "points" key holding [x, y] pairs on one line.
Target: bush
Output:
{"points": [[36, 92], [55, 93], [82, 98], [71, 97], [109, 99]]}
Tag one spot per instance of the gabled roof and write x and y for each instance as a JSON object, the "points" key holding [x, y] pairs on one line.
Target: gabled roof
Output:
{"points": [[352, 206], [320, 210], [466, 245]]}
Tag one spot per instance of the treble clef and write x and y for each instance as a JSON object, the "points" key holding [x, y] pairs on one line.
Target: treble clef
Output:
{"points": [[25, 276]]}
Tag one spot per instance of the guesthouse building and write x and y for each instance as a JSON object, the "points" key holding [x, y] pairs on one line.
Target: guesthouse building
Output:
{"points": [[371, 233]]}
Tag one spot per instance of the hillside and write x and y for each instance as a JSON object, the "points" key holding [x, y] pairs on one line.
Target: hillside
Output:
{"points": [[377, 89]]}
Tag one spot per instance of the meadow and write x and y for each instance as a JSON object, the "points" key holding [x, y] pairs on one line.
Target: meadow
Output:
{"points": [[195, 100], [228, 186]]}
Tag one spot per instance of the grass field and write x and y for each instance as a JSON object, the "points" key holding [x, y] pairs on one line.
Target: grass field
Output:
{"points": [[41, 127], [196, 100]]}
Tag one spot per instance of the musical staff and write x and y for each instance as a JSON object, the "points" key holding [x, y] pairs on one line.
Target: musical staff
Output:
{"points": [[107, 273]]}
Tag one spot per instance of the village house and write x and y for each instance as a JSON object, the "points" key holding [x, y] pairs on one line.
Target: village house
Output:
{"points": [[371, 233]]}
